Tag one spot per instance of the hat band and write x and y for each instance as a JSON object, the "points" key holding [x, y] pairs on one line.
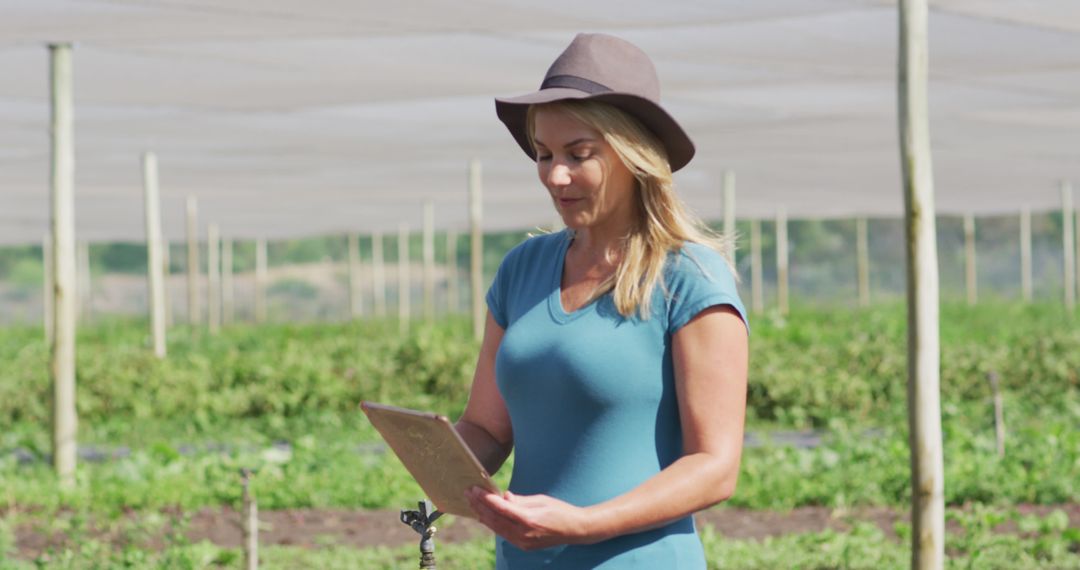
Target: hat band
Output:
{"points": [[574, 82]]}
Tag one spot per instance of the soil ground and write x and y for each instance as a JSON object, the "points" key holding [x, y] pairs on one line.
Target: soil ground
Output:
{"points": [[361, 529]]}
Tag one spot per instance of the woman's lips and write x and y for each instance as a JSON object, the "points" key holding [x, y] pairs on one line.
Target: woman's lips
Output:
{"points": [[568, 201]]}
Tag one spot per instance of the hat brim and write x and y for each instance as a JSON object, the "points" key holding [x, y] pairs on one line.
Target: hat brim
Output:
{"points": [[512, 111]]}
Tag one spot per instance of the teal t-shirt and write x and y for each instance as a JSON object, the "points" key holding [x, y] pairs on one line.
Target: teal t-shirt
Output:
{"points": [[591, 396]]}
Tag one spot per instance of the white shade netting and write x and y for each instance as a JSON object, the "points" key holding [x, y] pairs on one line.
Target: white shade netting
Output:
{"points": [[289, 118]]}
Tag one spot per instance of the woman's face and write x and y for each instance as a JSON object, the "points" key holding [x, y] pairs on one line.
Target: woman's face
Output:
{"points": [[589, 184]]}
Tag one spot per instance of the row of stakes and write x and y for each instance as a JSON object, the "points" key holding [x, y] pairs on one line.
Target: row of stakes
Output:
{"points": [[421, 520]]}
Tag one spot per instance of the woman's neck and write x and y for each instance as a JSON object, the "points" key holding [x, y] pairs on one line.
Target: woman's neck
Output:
{"points": [[601, 246]]}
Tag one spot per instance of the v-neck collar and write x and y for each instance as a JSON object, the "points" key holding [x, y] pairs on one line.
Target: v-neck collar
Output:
{"points": [[555, 306]]}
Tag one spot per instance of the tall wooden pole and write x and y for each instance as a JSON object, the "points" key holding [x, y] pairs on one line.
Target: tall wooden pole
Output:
{"points": [[404, 288], [213, 277], [378, 275], [476, 249], [452, 293], [862, 254], [757, 284], [260, 280], [228, 289], [970, 275], [193, 271], [356, 302], [924, 403], [1025, 254], [48, 283], [62, 353], [155, 266], [1067, 244], [429, 262], [782, 261], [729, 214]]}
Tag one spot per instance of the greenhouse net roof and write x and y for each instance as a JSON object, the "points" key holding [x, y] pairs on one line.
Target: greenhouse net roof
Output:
{"points": [[294, 118]]}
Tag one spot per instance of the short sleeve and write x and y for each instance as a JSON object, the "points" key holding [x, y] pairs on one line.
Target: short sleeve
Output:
{"points": [[507, 279], [523, 275], [698, 277]]}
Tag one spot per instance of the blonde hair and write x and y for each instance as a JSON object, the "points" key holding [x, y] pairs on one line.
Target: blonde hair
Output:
{"points": [[664, 224]]}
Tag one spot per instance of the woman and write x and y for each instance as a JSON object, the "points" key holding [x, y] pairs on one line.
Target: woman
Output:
{"points": [[615, 352]]}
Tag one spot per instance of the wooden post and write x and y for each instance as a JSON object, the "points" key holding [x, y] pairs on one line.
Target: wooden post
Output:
{"points": [[924, 396], [251, 523], [862, 260], [193, 271], [155, 267], [62, 353], [757, 284], [999, 413], [260, 280], [729, 214], [476, 249], [213, 277], [84, 282], [970, 276], [378, 275], [167, 273], [452, 294], [429, 262], [356, 302], [404, 289], [782, 261], [228, 289], [1067, 244], [48, 283], [1025, 254]]}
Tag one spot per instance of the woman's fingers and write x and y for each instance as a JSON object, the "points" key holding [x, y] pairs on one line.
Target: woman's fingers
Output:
{"points": [[487, 507], [507, 507], [529, 521], [508, 520]]}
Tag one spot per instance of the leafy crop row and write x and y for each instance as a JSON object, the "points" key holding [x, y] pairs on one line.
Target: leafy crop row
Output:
{"points": [[332, 462], [281, 370], [807, 370]]}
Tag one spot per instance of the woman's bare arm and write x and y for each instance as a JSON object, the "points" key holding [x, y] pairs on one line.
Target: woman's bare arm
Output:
{"points": [[485, 425]]}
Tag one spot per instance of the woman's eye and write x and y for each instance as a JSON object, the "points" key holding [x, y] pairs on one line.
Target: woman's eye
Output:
{"points": [[543, 157], [580, 157]]}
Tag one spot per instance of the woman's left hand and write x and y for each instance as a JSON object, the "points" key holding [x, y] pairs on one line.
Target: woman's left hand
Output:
{"points": [[530, 521]]}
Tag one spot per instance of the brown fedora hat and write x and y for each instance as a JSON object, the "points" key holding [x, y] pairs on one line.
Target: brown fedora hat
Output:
{"points": [[602, 68]]}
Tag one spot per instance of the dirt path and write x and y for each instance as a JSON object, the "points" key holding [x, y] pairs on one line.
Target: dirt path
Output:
{"points": [[361, 529], [369, 528]]}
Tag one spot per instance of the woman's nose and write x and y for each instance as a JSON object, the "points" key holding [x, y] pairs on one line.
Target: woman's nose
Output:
{"points": [[558, 175]]}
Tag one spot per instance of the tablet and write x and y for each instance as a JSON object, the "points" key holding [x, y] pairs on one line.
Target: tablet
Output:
{"points": [[434, 453]]}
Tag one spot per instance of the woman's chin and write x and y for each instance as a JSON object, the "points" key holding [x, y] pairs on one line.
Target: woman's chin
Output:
{"points": [[573, 223]]}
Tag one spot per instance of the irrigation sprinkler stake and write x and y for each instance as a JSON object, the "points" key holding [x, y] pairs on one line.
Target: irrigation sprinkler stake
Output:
{"points": [[421, 521]]}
